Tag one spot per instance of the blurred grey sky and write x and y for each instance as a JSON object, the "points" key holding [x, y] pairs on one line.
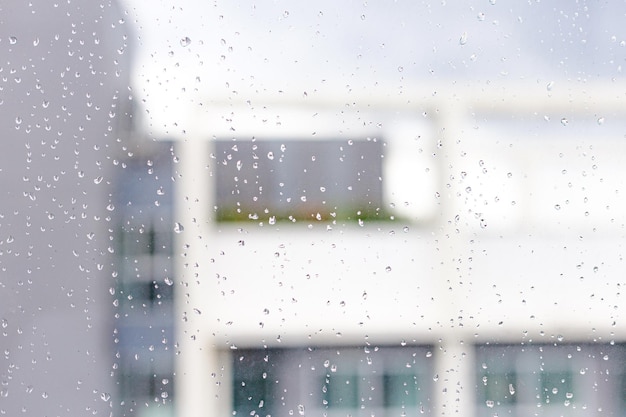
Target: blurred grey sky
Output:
{"points": [[197, 51]]}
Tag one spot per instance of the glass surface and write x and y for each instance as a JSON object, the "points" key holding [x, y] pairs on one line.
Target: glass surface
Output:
{"points": [[312, 208]]}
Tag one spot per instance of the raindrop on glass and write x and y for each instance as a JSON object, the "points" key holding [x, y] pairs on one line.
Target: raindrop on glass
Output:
{"points": [[463, 39]]}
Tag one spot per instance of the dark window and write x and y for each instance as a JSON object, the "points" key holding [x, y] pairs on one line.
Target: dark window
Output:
{"points": [[498, 388], [401, 390], [557, 387], [337, 381], [299, 180], [340, 391], [253, 392]]}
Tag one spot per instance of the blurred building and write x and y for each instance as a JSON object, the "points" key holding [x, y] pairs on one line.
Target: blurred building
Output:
{"points": [[462, 256], [65, 112], [144, 281], [407, 209]]}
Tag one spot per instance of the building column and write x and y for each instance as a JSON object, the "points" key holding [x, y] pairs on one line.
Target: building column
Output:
{"points": [[454, 382], [198, 374]]}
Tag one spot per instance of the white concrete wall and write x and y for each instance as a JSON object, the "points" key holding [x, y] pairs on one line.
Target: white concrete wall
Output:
{"points": [[513, 232]]}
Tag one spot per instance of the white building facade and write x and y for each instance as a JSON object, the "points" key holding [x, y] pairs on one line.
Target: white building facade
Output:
{"points": [[490, 283], [392, 209]]}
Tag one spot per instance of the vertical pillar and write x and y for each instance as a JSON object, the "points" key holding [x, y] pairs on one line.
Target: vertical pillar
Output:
{"points": [[454, 365], [455, 383], [197, 388]]}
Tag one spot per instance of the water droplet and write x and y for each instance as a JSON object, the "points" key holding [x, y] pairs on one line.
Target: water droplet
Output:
{"points": [[178, 227], [300, 409], [601, 120], [105, 396], [388, 269], [550, 85], [564, 121], [270, 155], [463, 38], [12, 40], [185, 41], [98, 180]]}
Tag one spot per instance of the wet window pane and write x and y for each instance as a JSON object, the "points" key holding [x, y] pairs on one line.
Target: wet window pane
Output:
{"points": [[312, 208]]}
